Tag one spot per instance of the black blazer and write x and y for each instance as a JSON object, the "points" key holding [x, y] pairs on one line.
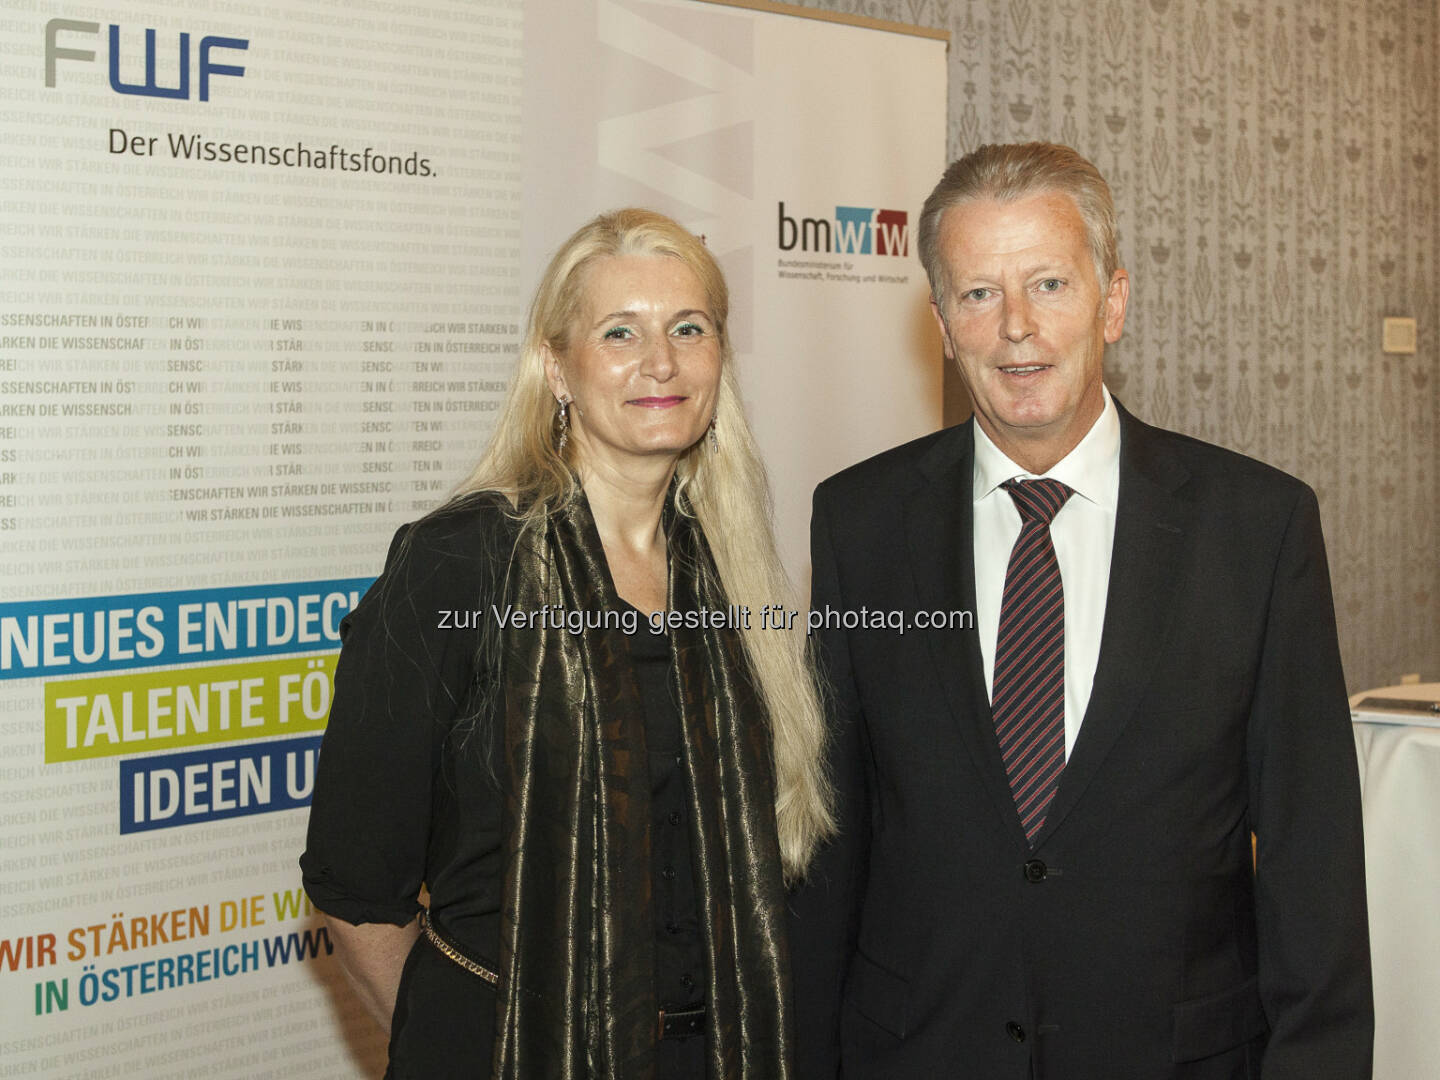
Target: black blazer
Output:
{"points": [[1134, 940]]}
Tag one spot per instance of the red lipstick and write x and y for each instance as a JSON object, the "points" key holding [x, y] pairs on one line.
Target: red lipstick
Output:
{"points": [[656, 402]]}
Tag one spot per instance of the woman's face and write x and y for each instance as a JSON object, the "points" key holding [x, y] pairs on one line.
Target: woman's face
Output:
{"points": [[642, 367]]}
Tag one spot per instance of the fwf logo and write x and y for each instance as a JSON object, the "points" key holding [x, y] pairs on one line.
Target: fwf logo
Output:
{"points": [[856, 230], [207, 67]]}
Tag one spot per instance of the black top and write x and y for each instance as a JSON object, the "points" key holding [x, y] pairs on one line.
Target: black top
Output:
{"points": [[408, 790], [679, 951]]}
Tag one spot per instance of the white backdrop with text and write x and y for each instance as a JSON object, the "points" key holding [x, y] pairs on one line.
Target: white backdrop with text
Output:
{"points": [[262, 273]]}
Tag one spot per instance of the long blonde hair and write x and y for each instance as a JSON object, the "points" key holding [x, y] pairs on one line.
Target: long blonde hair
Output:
{"points": [[723, 484]]}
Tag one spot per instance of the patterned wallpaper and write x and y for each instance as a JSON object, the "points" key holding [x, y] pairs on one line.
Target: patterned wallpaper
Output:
{"points": [[1276, 167]]}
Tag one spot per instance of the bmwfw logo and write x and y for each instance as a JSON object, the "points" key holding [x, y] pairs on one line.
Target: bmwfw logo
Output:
{"points": [[855, 230]]}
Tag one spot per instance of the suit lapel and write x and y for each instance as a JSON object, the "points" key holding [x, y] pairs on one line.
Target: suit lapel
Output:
{"points": [[1151, 527], [939, 528]]}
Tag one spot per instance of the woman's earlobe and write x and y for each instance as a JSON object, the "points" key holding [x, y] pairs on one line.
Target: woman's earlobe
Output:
{"points": [[554, 376]]}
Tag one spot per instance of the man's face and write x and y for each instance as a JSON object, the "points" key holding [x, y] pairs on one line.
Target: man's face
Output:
{"points": [[1023, 318]]}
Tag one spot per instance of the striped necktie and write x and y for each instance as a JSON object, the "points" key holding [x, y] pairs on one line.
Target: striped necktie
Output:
{"points": [[1028, 690]]}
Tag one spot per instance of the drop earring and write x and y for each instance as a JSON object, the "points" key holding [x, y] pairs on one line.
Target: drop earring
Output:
{"points": [[564, 423], [714, 437]]}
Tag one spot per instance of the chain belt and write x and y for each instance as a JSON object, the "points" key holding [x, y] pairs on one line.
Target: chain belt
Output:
{"points": [[451, 951]]}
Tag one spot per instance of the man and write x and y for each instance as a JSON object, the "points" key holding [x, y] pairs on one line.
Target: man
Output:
{"points": [[1045, 863]]}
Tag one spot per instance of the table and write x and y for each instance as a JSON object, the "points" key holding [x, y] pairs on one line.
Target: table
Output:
{"points": [[1400, 794]]}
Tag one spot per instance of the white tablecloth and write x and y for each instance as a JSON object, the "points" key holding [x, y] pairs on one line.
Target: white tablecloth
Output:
{"points": [[1400, 786]]}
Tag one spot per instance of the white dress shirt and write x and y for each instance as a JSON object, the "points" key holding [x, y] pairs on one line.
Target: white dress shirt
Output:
{"points": [[1083, 533]]}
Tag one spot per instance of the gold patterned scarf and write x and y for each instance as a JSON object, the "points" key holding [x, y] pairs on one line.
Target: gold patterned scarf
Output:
{"points": [[577, 993]]}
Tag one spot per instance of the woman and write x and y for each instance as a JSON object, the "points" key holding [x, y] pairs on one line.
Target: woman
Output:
{"points": [[604, 821]]}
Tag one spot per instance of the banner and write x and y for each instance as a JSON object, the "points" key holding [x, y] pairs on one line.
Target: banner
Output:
{"points": [[262, 278], [801, 150], [258, 306]]}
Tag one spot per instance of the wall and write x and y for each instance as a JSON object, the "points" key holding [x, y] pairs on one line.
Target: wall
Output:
{"points": [[1275, 168]]}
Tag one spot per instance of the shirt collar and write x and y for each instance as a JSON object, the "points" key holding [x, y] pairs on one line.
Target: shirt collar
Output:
{"points": [[1091, 469]]}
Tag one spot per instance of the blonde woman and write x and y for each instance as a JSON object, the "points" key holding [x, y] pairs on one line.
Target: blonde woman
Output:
{"points": [[603, 790]]}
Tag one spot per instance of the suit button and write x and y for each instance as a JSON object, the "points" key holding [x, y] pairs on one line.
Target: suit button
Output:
{"points": [[1035, 871], [1015, 1031]]}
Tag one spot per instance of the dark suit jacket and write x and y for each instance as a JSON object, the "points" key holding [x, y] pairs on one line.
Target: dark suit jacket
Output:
{"points": [[1134, 940]]}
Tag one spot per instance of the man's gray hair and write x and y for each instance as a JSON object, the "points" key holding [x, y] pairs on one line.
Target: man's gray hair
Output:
{"points": [[1014, 171]]}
